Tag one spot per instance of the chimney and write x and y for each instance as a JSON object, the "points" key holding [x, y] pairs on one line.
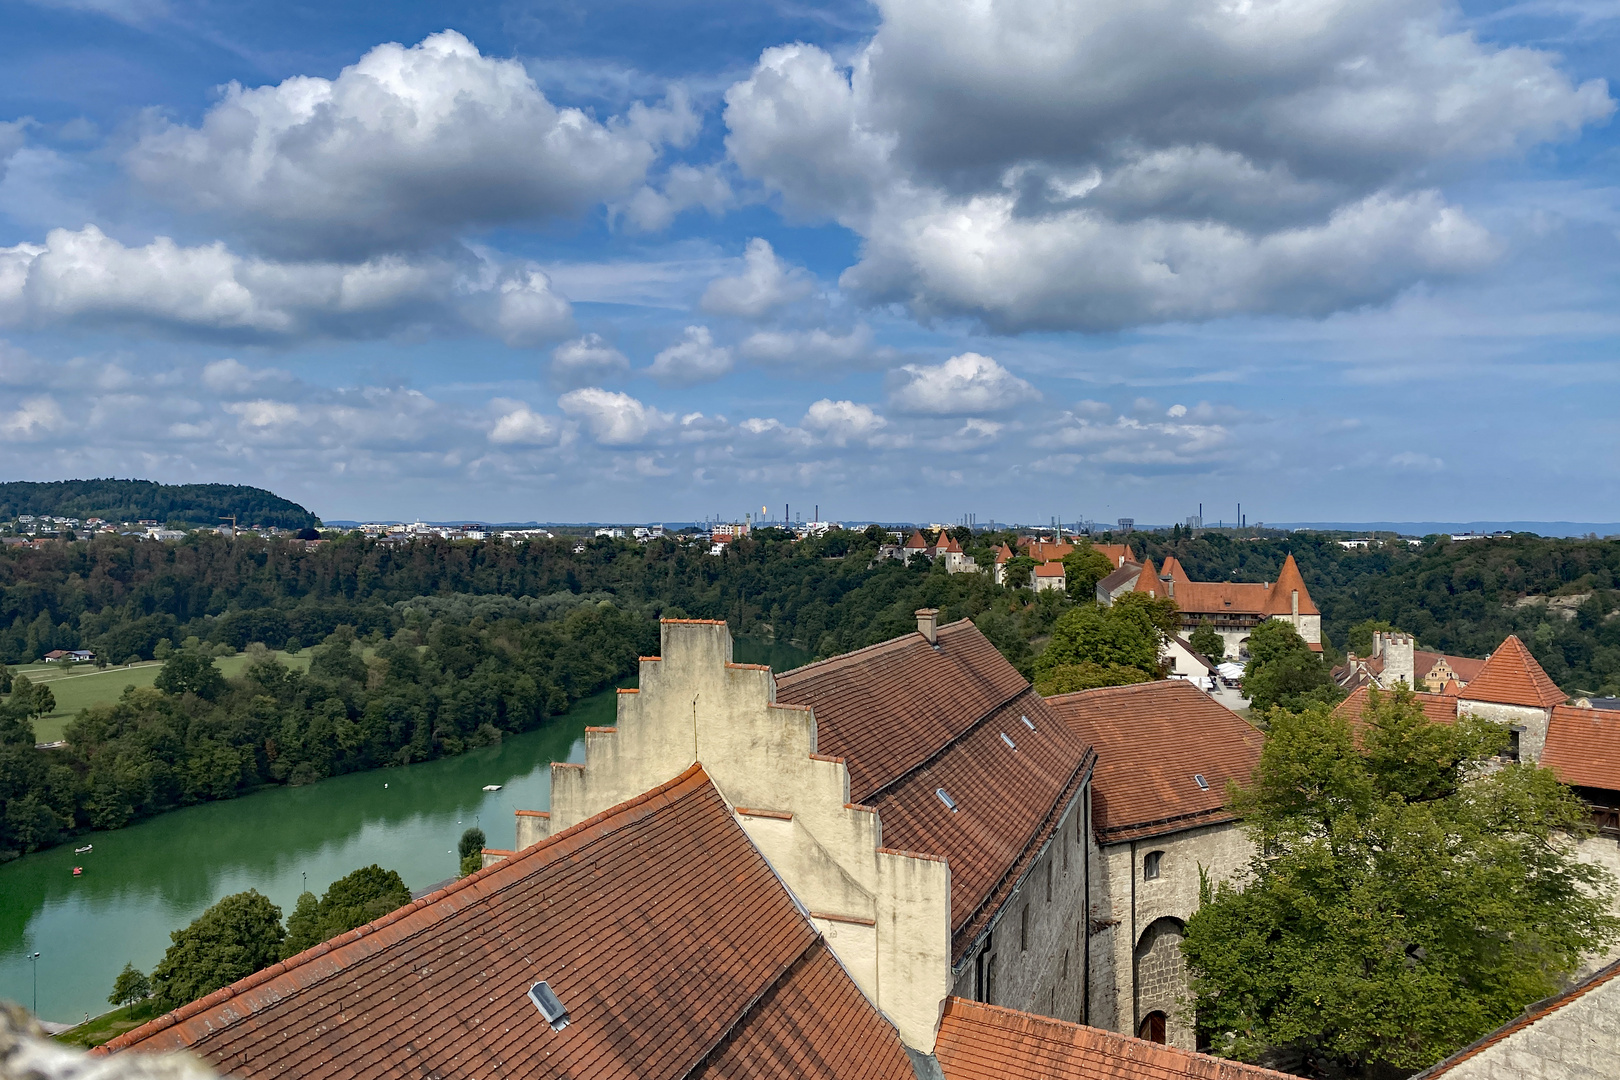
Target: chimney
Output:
{"points": [[928, 624]]}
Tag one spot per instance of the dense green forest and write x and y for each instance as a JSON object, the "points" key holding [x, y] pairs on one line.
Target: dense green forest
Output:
{"points": [[144, 500]]}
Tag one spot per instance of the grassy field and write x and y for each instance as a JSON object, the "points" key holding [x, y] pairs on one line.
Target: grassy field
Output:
{"points": [[108, 1026], [82, 685]]}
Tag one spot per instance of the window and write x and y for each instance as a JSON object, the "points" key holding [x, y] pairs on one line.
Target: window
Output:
{"points": [[1065, 963], [1150, 865], [1023, 929], [1513, 743], [1152, 1027]]}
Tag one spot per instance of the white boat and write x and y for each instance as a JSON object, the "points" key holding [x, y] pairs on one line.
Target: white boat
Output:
{"points": [[492, 787], [82, 850]]}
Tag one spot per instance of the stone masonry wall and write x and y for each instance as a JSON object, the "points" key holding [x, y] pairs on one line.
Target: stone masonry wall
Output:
{"points": [[1579, 1041], [1161, 979], [1532, 719]]}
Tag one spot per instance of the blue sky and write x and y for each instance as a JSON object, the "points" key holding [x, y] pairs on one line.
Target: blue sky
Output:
{"points": [[1333, 259]]}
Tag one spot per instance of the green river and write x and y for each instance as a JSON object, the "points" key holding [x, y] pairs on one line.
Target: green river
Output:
{"points": [[143, 881]]}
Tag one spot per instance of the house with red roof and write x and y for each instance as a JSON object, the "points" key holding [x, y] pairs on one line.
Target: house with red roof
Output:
{"points": [[1233, 608], [1395, 658], [1166, 752]]}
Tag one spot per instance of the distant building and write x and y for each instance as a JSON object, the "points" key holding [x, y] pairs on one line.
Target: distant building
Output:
{"points": [[1395, 658], [1049, 576], [1233, 608]]}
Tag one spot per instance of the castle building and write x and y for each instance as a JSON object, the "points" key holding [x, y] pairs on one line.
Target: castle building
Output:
{"points": [[1233, 608], [1395, 658]]}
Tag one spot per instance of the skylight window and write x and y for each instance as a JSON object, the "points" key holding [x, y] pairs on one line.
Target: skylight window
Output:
{"points": [[1008, 740], [1028, 722], [555, 1012], [945, 797], [1198, 778]]}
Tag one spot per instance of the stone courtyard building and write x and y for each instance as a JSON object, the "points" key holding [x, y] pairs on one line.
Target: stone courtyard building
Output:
{"points": [[1165, 754]]}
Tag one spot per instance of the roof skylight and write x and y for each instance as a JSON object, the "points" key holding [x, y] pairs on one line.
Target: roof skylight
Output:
{"points": [[1198, 778], [1008, 740], [1028, 722], [945, 797], [555, 1012]]}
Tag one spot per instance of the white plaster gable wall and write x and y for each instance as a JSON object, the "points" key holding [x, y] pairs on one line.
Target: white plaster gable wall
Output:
{"points": [[891, 910], [1532, 719]]}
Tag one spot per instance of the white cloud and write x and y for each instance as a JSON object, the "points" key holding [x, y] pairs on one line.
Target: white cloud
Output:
{"points": [[685, 187], [232, 378], [87, 277], [1109, 164], [812, 350], [614, 419], [586, 360], [842, 422], [964, 384], [1411, 459], [1092, 434], [765, 284], [406, 146], [521, 425], [693, 359], [34, 419], [1176, 412]]}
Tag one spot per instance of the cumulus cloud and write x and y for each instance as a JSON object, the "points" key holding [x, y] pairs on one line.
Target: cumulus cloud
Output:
{"points": [[614, 419], [1110, 164], [586, 360], [34, 419], [842, 422], [1091, 434], [86, 277], [408, 146], [765, 284], [813, 350], [521, 425], [693, 359], [964, 384], [685, 187]]}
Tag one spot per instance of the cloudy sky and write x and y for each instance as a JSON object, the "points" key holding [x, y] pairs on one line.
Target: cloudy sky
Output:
{"points": [[1332, 259]]}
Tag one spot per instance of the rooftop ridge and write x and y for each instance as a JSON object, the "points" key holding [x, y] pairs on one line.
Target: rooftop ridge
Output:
{"points": [[692, 778], [865, 650], [1510, 672]]}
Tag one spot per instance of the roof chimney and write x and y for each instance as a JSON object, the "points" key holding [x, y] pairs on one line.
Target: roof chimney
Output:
{"points": [[928, 623]]}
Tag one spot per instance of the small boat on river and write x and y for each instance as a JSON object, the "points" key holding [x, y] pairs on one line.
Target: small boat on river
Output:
{"points": [[77, 870], [492, 787], [82, 850]]}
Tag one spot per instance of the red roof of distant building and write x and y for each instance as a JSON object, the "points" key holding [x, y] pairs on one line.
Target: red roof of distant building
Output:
{"points": [[1148, 581], [1511, 676], [916, 543], [1463, 667], [1118, 554], [1046, 550], [1583, 747], [1152, 741], [1438, 708], [1050, 570], [1004, 554], [1281, 600], [988, 1042], [664, 932], [909, 718], [1172, 570]]}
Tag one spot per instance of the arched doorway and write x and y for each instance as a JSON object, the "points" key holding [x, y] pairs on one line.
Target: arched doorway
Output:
{"points": [[1152, 1027], [1161, 984]]}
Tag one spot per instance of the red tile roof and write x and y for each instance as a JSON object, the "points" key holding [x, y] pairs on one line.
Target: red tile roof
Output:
{"points": [[916, 542], [1281, 595], [1172, 570], [1223, 597], [1148, 581], [1118, 554], [664, 932], [1535, 1012], [1051, 569], [908, 719], [1511, 676], [987, 1042], [1046, 551], [1004, 554], [1463, 667], [1152, 739], [1583, 747], [1438, 708]]}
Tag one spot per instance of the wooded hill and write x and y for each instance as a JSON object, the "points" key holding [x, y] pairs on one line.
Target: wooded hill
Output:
{"points": [[145, 500]]}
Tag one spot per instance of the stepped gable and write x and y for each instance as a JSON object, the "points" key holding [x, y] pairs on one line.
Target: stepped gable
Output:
{"points": [[1511, 676], [1280, 598], [1438, 708], [909, 719], [988, 1042], [1583, 747], [1152, 740], [674, 947], [1465, 668]]}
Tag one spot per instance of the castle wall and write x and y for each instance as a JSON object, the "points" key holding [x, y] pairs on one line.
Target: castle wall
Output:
{"points": [[1532, 719]]}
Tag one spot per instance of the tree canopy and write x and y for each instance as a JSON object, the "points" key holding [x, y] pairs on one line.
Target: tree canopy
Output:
{"points": [[131, 986], [231, 940], [1283, 671], [1207, 641], [1410, 892], [354, 900], [142, 500], [1094, 645], [1082, 569]]}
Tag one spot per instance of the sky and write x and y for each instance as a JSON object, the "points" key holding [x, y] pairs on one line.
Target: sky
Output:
{"points": [[913, 260]]}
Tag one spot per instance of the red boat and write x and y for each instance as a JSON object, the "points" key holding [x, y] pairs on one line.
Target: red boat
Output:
{"points": [[77, 870]]}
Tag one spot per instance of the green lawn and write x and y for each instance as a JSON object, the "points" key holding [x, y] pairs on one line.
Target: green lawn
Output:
{"points": [[82, 685], [108, 1026]]}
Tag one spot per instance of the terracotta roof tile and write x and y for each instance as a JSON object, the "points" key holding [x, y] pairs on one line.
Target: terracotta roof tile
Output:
{"points": [[1148, 581], [1439, 708], [909, 719], [1051, 569], [1511, 676], [1288, 580], [1463, 667], [657, 923], [987, 1042], [1172, 570], [1152, 739], [1583, 747], [1118, 554], [1047, 551], [1223, 597]]}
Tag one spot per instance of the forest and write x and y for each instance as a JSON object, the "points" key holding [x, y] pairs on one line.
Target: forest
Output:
{"points": [[144, 500]]}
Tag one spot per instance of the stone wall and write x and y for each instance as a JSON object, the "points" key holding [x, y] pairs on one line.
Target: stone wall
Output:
{"points": [[1125, 907], [1033, 957], [1528, 717], [1160, 976], [1580, 1040], [1605, 852]]}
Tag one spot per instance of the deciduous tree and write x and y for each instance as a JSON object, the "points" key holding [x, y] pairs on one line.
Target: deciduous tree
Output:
{"points": [[231, 940], [1283, 672], [131, 986]]}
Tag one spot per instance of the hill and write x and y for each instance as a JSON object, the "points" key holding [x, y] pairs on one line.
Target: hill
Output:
{"points": [[145, 500]]}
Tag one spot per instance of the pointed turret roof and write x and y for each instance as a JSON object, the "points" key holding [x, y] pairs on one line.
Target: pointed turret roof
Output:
{"points": [[1280, 601], [1148, 581], [1172, 570], [1511, 676], [1004, 554], [916, 543]]}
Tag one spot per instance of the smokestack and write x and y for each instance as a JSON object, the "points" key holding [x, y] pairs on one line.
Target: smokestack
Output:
{"points": [[928, 624]]}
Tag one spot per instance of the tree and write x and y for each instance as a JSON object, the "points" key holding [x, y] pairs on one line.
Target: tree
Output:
{"points": [[369, 893], [5, 679], [1068, 678], [472, 851], [1359, 638], [231, 940], [30, 700], [1409, 893], [189, 671], [131, 986], [1207, 641], [1283, 672], [1016, 574], [1094, 645], [1082, 569]]}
